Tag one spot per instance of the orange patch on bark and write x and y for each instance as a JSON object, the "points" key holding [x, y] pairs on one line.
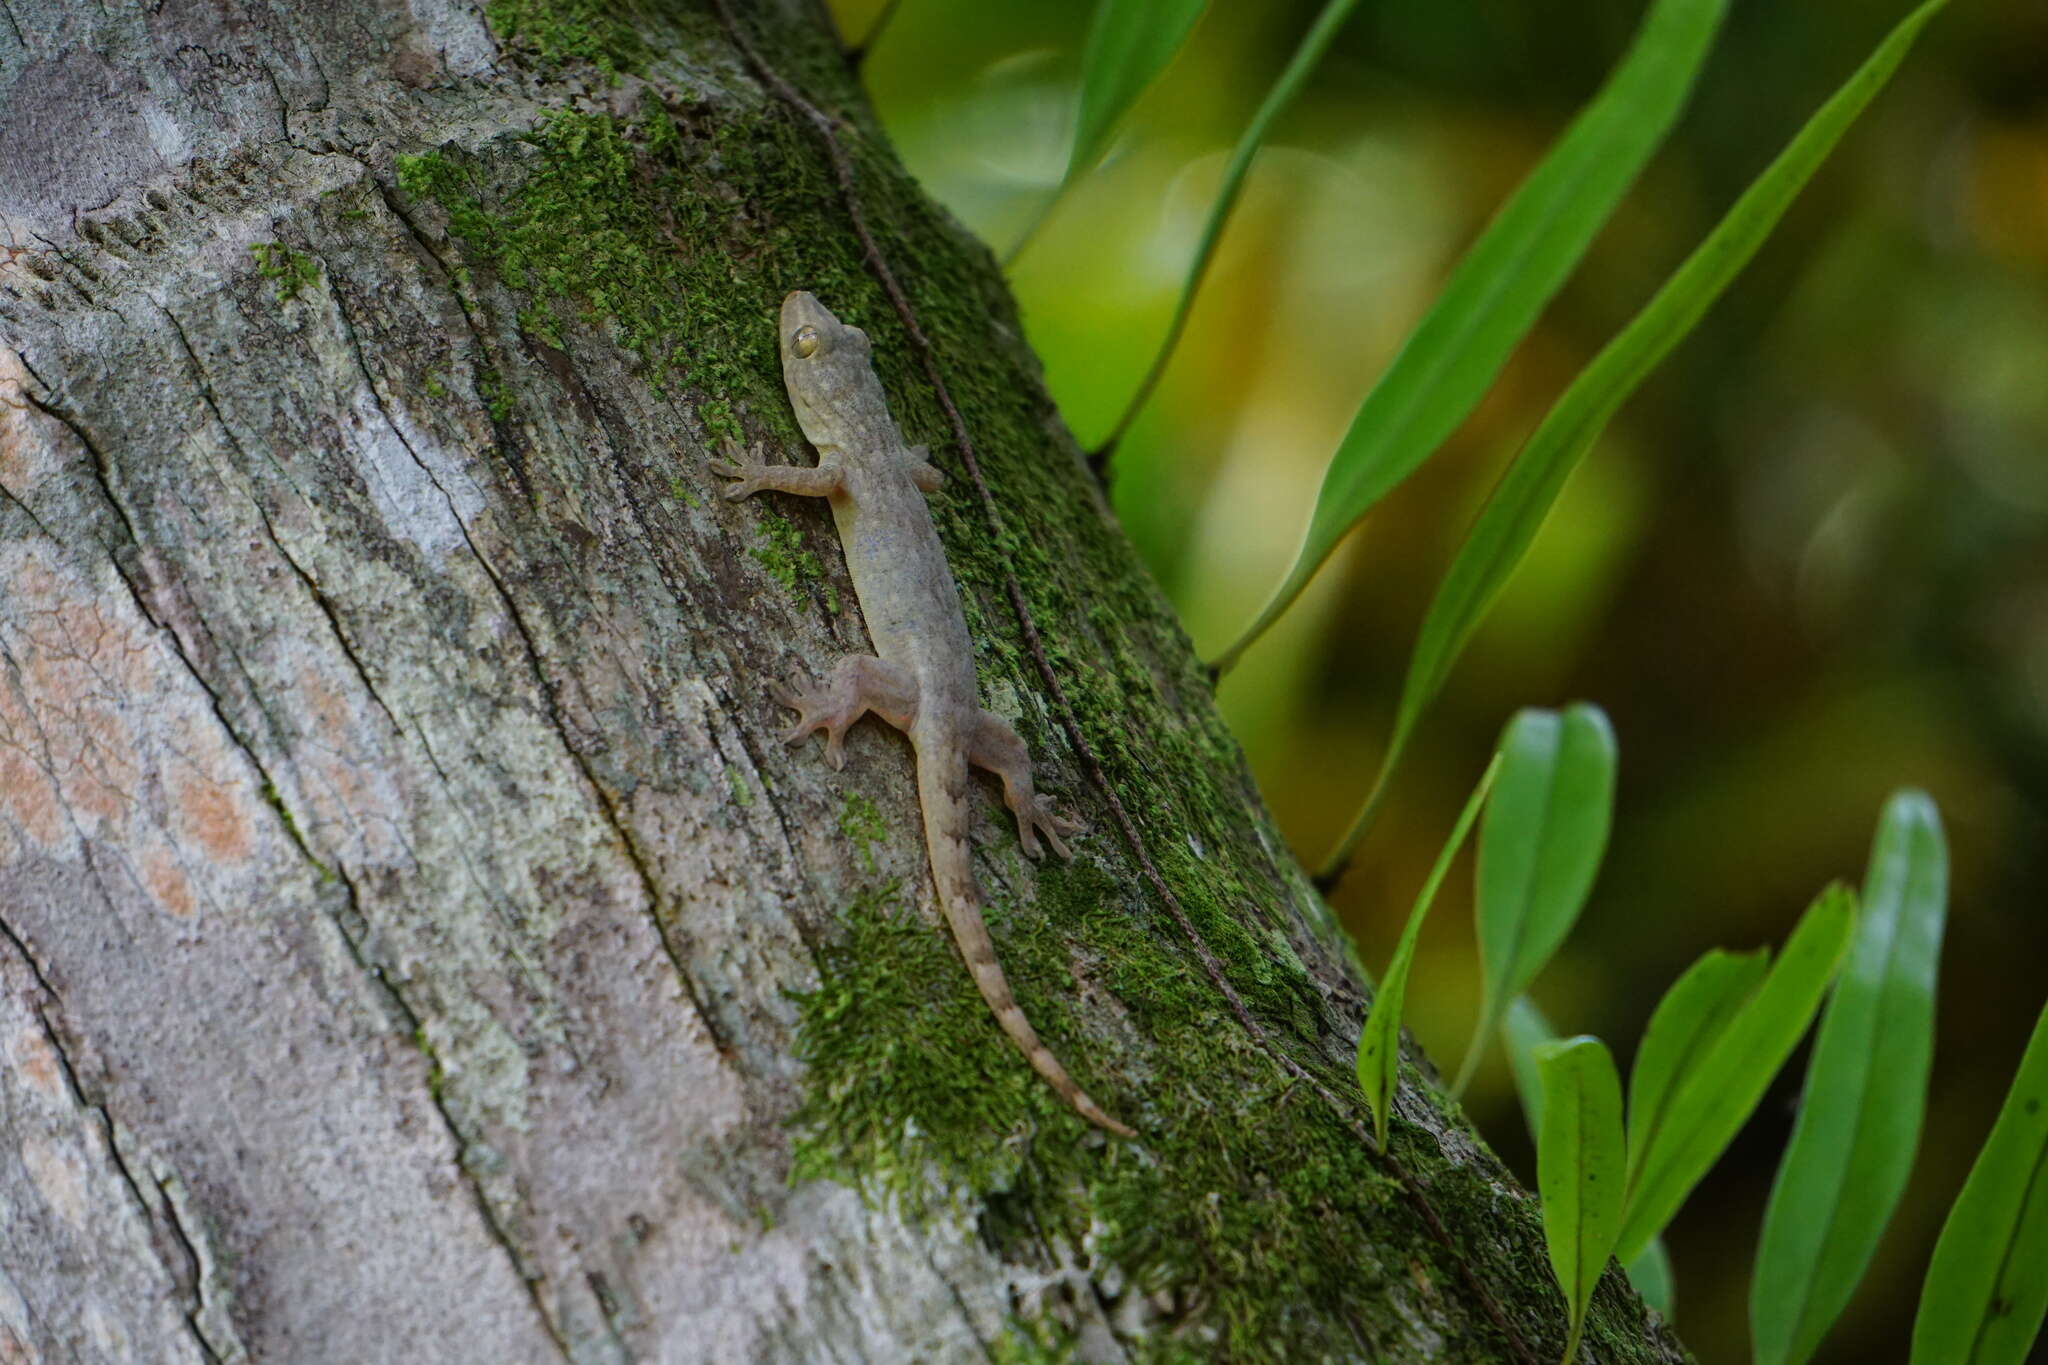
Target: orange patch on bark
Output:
{"points": [[18, 441], [168, 885], [209, 814], [27, 798], [36, 1060]]}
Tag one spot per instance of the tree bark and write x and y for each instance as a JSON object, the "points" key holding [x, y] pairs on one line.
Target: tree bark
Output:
{"points": [[415, 942]]}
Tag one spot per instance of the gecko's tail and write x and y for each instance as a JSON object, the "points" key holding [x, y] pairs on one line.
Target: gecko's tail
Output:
{"points": [[942, 791]]}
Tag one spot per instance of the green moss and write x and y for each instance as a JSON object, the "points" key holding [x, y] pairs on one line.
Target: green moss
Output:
{"points": [[619, 224], [863, 827], [273, 798], [437, 1075], [1034, 1343], [1247, 1196], [553, 33], [742, 794], [680, 491], [787, 560], [289, 270], [497, 399]]}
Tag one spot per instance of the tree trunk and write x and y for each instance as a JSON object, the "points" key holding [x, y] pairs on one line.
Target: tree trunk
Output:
{"points": [[416, 943]]}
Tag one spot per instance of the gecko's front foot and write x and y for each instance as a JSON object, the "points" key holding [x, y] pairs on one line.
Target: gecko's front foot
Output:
{"points": [[743, 465]]}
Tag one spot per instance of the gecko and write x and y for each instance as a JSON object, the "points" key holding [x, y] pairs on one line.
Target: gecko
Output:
{"points": [[920, 678]]}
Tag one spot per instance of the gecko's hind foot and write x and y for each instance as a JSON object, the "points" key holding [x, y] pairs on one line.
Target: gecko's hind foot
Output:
{"points": [[860, 683], [1041, 818], [817, 709]]}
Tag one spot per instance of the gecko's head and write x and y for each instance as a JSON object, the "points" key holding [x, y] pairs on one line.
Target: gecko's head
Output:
{"points": [[826, 368]]}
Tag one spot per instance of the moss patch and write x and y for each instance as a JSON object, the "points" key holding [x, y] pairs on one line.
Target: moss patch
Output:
{"points": [[1248, 1200], [861, 825], [289, 270], [632, 226], [552, 33], [783, 554]]}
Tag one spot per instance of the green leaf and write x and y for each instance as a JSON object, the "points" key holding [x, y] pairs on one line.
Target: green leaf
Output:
{"points": [[1519, 502], [1722, 1089], [1987, 1286], [1289, 84], [1580, 1162], [1866, 1092], [1650, 1273], [1379, 1044], [1523, 1029], [1693, 1014], [1129, 44], [1539, 848], [1493, 298]]}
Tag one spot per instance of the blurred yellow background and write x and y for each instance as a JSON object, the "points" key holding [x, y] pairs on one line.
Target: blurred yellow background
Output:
{"points": [[1809, 563]]}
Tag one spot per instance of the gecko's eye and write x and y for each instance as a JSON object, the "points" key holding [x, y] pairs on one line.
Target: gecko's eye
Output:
{"points": [[805, 342]]}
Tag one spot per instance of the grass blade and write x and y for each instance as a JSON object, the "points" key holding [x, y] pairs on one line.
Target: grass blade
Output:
{"points": [[1721, 1092], [1987, 1286], [1518, 504], [1317, 41], [1379, 1043], [1579, 1168], [1866, 1091], [1493, 298], [1693, 1014], [1539, 848]]}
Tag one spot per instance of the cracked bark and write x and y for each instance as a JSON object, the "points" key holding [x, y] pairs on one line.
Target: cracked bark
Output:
{"points": [[402, 883]]}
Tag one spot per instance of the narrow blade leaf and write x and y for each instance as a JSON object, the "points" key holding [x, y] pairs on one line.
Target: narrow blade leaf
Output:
{"points": [[1987, 1287], [1866, 1091], [1306, 57], [1540, 845], [1129, 44], [1379, 1044], [1691, 1017], [1718, 1094], [1579, 1167], [1515, 510], [1497, 291]]}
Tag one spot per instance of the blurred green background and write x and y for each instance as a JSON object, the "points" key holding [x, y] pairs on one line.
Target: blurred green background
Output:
{"points": [[1809, 563]]}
